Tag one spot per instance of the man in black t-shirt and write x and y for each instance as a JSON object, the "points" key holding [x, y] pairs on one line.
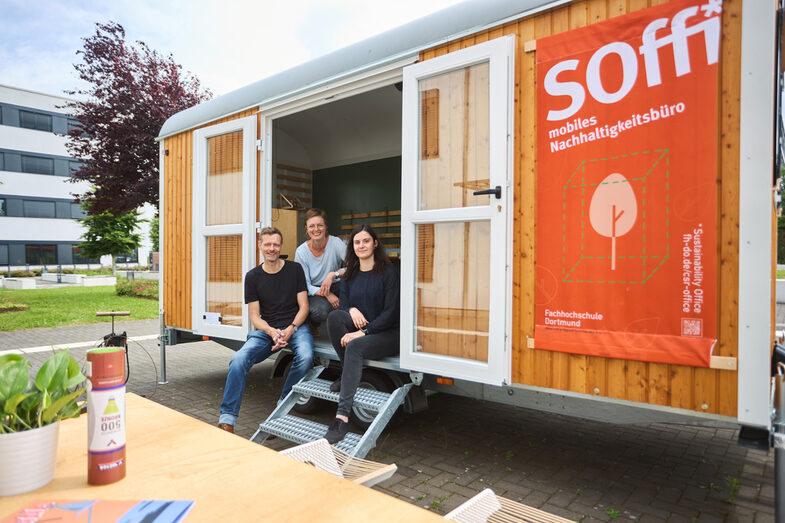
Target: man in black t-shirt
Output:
{"points": [[277, 298]]}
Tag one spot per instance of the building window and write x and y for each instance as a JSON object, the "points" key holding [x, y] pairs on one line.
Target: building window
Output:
{"points": [[77, 211], [39, 209], [3, 211], [41, 254], [128, 258], [80, 258], [74, 166], [2, 162], [37, 121], [37, 165], [3, 254]]}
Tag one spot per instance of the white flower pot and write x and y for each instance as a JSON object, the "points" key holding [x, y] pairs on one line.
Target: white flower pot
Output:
{"points": [[27, 459]]}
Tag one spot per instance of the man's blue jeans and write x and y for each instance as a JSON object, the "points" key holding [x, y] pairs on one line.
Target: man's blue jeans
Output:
{"points": [[257, 348]]}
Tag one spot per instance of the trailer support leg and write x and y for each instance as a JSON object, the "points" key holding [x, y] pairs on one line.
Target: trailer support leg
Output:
{"points": [[162, 337]]}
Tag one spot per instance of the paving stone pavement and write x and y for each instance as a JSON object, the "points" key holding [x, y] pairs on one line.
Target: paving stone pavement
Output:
{"points": [[582, 470]]}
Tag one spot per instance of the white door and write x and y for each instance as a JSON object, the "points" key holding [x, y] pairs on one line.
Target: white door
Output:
{"points": [[224, 245], [456, 202]]}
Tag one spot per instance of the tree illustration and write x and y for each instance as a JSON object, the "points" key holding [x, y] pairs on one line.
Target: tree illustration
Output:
{"points": [[613, 210]]}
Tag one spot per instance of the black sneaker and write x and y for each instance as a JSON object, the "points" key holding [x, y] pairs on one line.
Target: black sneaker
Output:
{"points": [[335, 386], [338, 429]]}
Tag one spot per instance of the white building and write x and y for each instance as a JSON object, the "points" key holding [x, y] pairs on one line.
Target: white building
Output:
{"points": [[37, 210]]}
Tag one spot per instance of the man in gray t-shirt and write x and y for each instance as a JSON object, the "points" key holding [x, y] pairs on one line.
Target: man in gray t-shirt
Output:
{"points": [[321, 258]]}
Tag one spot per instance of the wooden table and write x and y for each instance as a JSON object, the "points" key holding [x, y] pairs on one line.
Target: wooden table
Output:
{"points": [[172, 456]]}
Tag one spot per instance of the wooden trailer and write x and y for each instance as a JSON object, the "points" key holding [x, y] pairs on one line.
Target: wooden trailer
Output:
{"points": [[539, 291]]}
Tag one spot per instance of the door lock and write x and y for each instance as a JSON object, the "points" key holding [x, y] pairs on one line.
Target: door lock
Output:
{"points": [[497, 191]]}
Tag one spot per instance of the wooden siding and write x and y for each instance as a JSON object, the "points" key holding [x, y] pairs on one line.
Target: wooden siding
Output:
{"points": [[178, 222], [703, 390]]}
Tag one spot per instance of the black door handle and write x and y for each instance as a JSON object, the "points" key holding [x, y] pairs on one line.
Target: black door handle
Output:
{"points": [[497, 191]]}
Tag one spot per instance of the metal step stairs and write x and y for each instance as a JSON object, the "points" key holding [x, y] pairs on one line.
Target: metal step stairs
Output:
{"points": [[298, 430]]}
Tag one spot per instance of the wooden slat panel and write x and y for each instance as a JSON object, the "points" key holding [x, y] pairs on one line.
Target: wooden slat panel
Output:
{"points": [[729, 96], [293, 178], [525, 210], [369, 215], [704, 390], [293, 168], [377, 225], [541, 362]]}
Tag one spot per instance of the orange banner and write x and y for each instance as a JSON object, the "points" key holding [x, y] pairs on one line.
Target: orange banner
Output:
{"points": [[627, 186]]}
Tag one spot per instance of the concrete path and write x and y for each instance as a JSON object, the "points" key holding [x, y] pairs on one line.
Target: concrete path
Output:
{"points": [[74, 334], [582, 470]]}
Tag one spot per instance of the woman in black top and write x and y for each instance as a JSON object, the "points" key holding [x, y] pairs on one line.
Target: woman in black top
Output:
{"points": [[366, 325]]}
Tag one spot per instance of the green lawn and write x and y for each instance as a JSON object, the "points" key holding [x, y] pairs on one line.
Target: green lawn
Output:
{"points": [[69, 306], [780, 275]]}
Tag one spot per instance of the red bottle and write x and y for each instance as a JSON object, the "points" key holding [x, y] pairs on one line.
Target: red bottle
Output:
{"points": [[105, 415]]}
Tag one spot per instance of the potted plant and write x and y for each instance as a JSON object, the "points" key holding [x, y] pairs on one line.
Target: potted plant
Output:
{"points": [[29, 414]]}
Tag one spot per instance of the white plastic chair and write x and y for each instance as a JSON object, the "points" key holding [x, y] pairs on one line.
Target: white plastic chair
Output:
{"points": [[488, 507], [324, 456]]}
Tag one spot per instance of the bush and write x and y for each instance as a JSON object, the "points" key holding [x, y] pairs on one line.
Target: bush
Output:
{"points": [[138, 288], [22, 274]]}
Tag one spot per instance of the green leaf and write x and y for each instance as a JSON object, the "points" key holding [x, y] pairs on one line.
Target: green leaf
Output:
{"points": [[74, 374], [5, 359], [53, 372], [54, 409], [13, 402], [14, 378]]}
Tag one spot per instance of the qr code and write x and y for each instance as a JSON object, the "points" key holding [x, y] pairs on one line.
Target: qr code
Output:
{"points": [[691, 327]]}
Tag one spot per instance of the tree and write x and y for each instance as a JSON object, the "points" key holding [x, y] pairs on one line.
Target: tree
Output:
{"points": [[133, 90], [154, 233], [108, 233]]}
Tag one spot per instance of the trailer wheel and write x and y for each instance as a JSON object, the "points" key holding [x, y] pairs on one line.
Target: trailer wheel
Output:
{"points": [[373, 380], [304, 405]]}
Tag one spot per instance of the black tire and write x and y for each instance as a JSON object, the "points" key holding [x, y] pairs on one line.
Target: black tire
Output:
{"points": [[304, 406], [371, 379]]}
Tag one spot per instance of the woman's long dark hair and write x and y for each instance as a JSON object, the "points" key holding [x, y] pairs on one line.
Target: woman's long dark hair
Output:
{"points": [[352, 262]]}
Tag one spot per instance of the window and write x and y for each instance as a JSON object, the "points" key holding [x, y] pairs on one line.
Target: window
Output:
{"points": [[128, 258], [37, 121], [74, 125], [2, 162], [80, 257], [77, 211], [62, 210], [74, 166], [39, 209], [41, 254], [37, 165], [3, 254], [3, 211]]}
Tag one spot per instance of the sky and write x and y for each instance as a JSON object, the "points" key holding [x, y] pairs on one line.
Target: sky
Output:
{"points": [[227, 44]]}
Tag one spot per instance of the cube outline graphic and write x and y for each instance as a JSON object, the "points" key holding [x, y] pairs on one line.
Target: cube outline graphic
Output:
{"points": [[570, 266]]}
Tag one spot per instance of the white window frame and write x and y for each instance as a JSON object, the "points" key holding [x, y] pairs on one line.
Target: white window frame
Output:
{"points": [[500, 53], [201, 231]]}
